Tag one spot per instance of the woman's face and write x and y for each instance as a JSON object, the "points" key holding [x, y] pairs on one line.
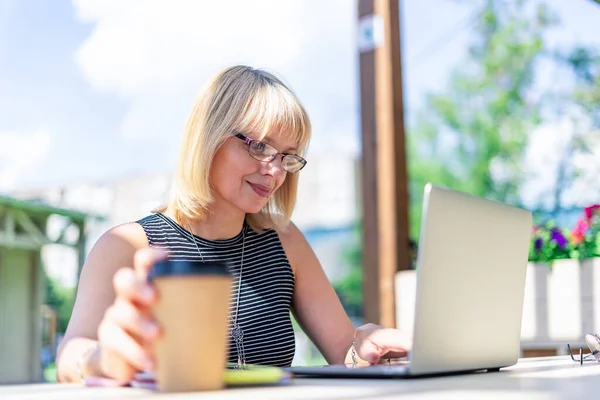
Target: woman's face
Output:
{"points": [[244, 182]]}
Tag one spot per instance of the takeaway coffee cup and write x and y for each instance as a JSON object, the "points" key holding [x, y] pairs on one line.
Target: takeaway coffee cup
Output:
{"points": [[192, 311]]}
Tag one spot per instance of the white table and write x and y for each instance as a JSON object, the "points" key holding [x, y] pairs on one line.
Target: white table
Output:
{"points": [[540, 378]]}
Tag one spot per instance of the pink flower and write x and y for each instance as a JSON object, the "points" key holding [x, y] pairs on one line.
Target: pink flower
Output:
{"points": [[576, 237], [591, 210], [578, 233], [582, 225]]}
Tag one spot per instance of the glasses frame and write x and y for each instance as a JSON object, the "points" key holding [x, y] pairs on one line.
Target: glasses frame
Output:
{"points": [[249, 142], [588, 357]]}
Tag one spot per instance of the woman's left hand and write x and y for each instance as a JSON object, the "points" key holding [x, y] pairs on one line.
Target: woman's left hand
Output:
{"points": [[374, 343]]}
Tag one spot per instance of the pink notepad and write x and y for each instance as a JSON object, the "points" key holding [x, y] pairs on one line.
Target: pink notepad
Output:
{"points": [[141, 380]]}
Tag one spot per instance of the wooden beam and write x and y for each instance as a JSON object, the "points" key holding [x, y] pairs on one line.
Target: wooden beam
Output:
{"points": [[37, 290], [385, 190], [64, 230], [41, 209], [34, 237], [18, 242], [81, 248], [9, 225], [36, 234]]}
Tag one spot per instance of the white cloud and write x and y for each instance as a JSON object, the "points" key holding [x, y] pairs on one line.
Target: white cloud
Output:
{"points": [[20, 155], [157, 55]]}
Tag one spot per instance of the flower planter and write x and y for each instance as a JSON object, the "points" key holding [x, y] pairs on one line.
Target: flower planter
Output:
{"points": [[561, 304], [590, 295], [405, 293], [564, 301], [535, 311]]}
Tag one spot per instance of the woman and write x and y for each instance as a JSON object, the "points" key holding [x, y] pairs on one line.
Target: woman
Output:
{"points": [[232, 198]]}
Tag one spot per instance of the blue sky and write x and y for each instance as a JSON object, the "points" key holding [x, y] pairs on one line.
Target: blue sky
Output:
{"points": [[97, 89]]}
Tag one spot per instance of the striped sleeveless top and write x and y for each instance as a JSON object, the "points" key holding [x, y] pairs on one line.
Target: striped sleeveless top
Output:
{"points": [[267, 284]]}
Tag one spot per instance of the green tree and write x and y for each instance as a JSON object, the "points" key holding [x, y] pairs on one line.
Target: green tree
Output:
{"points": [[349, 289], [472, 135], [60, 299], [585, 65], [578, 100]]}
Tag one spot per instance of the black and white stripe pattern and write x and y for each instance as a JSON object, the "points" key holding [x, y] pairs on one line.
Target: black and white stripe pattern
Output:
{"points": [[266, 290]]}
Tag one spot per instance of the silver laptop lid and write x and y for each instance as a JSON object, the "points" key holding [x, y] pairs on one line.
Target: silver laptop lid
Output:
{"points": [[471, 270]]}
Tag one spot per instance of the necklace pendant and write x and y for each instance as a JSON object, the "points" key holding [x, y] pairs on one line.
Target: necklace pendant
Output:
{"points": [[237, 333]]}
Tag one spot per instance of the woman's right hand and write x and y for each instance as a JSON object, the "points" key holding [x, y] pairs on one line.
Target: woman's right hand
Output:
{"points": [[127, 332]]}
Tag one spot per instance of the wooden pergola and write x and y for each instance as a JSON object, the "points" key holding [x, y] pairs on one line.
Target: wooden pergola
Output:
{"points": [[23, 233], [386, 247], [24, 225]]}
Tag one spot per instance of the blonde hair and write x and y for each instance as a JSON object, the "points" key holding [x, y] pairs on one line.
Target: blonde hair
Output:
{"points": [[241, 99]]}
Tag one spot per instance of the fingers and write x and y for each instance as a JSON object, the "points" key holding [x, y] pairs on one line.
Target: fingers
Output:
{"points": [[131, 283], [373, 343], [369, 351], [127, 330], [129, 318], [116, 343], [373, 353], [391, 339], [128, 286], [395, 354], [143, 260]]}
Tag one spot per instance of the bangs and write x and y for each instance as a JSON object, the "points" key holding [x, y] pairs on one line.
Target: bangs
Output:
{"points": [[273, 108]]}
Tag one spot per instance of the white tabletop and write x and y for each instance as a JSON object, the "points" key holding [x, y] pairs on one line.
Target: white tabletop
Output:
{"points": [[540, 378]]}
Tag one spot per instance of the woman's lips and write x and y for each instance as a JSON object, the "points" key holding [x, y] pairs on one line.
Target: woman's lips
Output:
{"points": [[262, 191]]}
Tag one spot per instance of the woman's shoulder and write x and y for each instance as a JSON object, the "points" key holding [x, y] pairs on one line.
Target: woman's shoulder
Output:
{"points": [[294, 243], [130, 234], [114, 249], [289, 233]]}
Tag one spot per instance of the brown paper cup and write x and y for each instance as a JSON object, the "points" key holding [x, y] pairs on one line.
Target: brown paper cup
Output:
{"points": [[192, 311]]}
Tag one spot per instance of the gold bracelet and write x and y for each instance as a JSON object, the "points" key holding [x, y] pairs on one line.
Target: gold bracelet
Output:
{"points": [[83, 359], [353, 350]]}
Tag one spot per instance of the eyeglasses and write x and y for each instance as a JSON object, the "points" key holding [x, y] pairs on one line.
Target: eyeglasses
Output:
{"points": [[265, 152], [593, 342]]}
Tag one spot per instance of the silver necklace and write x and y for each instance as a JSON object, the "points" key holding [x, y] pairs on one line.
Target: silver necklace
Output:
{"points": [[236, 331]]}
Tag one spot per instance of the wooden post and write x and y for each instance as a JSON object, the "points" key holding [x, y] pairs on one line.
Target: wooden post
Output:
{"points": [[81, 247], [384, 189]]}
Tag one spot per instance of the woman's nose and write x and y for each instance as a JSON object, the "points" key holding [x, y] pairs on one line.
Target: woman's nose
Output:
{"points": [[274, 167]]}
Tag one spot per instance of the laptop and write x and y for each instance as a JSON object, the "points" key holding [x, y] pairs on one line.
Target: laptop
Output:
{"points": [[471, 268]]}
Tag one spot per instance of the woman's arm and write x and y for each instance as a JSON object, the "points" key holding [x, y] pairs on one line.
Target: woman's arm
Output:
{"points": [[321, 315], [95, 294], [316, 306]]}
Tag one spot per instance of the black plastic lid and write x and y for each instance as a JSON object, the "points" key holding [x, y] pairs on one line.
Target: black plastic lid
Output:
{"points": [[179, 268]]}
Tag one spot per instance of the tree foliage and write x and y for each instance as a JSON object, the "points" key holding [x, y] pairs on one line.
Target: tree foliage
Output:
{"points": [[60, 299], [349, 289], [472, 135]]}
